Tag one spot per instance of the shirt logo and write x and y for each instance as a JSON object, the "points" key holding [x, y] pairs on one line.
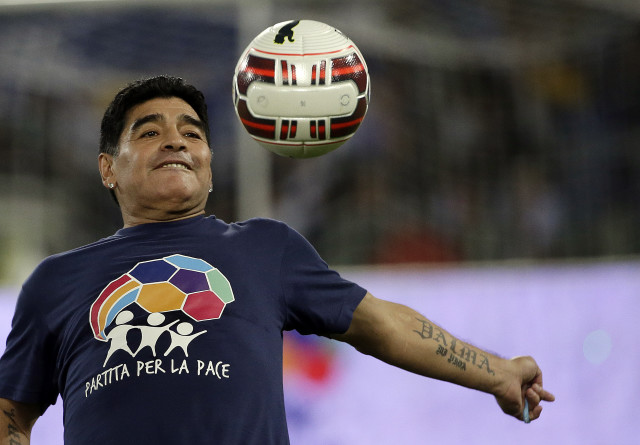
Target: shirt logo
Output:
{"points": [[187, 290]]}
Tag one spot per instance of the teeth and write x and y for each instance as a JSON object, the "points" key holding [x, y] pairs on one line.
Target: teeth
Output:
{"points": [[175, 165]]}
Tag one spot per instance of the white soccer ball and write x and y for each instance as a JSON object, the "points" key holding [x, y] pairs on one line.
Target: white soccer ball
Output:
{"points": [[301, 88]]}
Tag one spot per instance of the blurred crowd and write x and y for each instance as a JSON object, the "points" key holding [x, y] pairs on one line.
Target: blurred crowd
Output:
{"points": [[452, 163], [475, 164]]}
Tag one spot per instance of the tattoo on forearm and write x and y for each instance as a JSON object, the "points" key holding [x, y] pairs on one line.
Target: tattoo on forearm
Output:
{"points": [[13, 432], [459, 355]]}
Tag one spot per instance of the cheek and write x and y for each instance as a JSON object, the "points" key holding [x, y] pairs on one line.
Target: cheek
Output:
{"points": [[206, 177], [128, 169], [206, 166]]}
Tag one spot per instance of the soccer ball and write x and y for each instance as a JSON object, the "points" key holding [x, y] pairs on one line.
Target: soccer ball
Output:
{"points": [[301, 88]]}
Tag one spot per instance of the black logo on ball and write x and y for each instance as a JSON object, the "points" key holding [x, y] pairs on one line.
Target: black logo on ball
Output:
{"points": [[286, 32]]}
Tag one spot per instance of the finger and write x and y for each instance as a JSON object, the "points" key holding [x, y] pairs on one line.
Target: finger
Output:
{"points": [[535, 413], [542, 393], [546, 396], [533, 397]]}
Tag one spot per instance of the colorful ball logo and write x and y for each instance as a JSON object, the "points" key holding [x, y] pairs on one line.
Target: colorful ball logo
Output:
{"points": [[173, 283]]}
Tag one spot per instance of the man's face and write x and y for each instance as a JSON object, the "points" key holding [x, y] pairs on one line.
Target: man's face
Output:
{"points": [[163, 164]]}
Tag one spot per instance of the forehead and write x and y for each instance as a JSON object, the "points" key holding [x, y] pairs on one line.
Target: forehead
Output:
{"points": [[167, 106]]}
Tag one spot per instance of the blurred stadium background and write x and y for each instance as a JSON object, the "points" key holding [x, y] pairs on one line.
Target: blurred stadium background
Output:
{"points": [[497, 129], [500, 134]]}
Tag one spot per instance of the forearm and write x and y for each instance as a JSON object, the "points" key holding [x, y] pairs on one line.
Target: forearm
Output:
{"points": [[431, 351], [16, 421], [404, 338]]}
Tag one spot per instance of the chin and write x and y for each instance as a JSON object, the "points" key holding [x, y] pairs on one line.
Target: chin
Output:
{"points": [[181, 197]]}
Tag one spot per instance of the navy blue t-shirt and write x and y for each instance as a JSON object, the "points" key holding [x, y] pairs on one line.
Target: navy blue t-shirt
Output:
{"points": [[172, 332]]}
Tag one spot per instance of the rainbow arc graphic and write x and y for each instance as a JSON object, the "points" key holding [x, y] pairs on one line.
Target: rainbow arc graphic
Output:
{"points": [[173, 283]]}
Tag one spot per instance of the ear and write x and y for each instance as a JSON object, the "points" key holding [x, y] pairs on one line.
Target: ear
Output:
{"points": [[105, 164]]}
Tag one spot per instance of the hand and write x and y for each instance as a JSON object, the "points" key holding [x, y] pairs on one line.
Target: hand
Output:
{"points": [[524, 381]]}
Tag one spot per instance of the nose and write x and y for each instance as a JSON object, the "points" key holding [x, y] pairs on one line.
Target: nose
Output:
{"points": [[174, 141]]}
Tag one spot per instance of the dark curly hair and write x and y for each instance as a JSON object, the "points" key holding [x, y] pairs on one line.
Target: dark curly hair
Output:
{"points": [[139, 92]]}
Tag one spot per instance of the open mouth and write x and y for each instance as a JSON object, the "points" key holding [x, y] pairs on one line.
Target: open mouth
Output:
{"points": [[175, 165]]}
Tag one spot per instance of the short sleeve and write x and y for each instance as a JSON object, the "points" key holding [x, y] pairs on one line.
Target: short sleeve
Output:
{"points": [[317, 299], [27, 367]]}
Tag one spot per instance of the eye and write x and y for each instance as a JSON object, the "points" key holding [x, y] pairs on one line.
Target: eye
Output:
{"points": [[149, 133], [193, 135]]}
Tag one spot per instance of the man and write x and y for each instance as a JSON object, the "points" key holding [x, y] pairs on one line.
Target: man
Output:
{"points": [[170, 331]]}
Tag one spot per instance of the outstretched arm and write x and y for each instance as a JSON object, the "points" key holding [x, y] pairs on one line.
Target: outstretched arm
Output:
{"points": [[16, 421], [402, 337]]}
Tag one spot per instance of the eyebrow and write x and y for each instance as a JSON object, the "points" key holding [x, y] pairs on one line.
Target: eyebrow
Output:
{"points": [[157, 117], [192, 121]]}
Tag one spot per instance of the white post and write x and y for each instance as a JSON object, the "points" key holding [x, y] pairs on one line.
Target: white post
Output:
{"points": [[254, 195]]}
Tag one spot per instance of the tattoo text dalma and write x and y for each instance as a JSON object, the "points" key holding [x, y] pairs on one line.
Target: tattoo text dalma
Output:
{"points": [[459, 355]]}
